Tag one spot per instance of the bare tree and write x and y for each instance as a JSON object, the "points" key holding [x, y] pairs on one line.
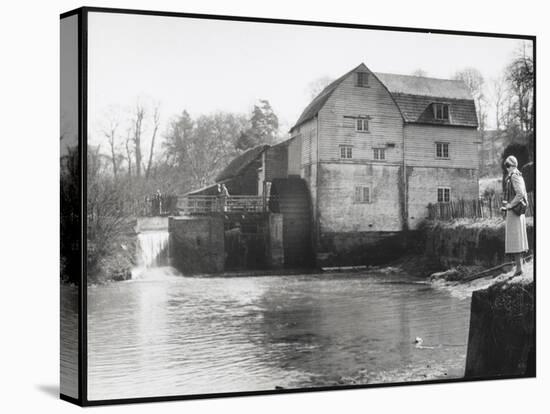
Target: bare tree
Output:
{"points": [[156, 125], [129, 152], [419, 72], [315, 87], [499, 100], [475, 83], [107, 221], [137, 131], [110, 134], [520, 77]]}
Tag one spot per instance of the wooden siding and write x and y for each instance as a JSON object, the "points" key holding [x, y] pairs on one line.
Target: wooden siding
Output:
{"points": [[275, 162], [294, 156], [331, 181], [385, 122], [246, 183], [307, 134], [420, 146]]}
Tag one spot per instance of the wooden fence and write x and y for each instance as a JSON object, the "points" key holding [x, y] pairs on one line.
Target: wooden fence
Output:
{"points": [[478, 208], [216, 204]]}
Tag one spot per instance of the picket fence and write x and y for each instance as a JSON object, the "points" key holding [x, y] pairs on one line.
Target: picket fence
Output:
{"points": [[478, 208]]}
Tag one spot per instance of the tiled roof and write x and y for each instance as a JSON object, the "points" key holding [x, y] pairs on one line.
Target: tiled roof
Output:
{"points": [[422, 86], [238, 164], [414, 96], [315, 106], [418, 109]]}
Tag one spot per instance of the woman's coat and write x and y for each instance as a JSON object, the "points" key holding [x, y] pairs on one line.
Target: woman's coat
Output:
{"points": [[516, 229]]}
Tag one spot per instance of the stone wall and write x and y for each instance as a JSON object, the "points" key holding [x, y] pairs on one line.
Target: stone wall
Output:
{"points": [[338, 210], [213, 245], [469, 242], [502, 331], [197, 244], [151, 224], [360, 248]]}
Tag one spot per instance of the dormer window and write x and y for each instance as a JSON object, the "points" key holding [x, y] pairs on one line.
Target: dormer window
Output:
{"points": [[441, 111], [362, 79]]}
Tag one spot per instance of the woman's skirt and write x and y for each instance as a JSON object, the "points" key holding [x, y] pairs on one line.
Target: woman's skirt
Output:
{"points": [[516, 233]]}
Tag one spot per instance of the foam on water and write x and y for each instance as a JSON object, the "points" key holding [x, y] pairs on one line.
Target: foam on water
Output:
{"points": [[152, 256], [152, 248], [154, 273]]}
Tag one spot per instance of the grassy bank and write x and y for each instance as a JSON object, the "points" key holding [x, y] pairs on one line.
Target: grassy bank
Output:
{"points": [[113, 263], [469, 242]]}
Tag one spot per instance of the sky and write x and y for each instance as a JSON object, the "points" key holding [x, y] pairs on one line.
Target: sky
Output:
{"points": [[204, 66]]}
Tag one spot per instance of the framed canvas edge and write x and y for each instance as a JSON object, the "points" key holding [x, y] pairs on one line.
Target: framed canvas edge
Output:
{"points": [[82, 13]]}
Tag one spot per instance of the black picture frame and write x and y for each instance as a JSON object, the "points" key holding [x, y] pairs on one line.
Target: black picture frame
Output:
{"points": [[82, 16]]}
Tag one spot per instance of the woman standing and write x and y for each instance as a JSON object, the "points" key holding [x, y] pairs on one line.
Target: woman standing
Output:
{"points": [[516, 230]]}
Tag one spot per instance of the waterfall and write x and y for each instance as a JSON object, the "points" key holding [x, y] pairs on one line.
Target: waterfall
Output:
{"points": [[152, 252], [153, 248]]}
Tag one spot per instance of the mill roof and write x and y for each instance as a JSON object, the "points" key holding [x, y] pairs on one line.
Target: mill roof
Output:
{"points": [[239, 164], [319, 101], [414, 96]]}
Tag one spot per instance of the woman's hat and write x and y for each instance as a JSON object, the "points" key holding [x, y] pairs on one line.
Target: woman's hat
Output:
{"points": [[511, 160]]}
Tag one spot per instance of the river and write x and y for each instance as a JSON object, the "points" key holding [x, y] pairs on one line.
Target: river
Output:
{"points": [[165, 334]]}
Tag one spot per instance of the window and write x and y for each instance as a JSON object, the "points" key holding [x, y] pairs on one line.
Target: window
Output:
{"points": [[362, 194], [379, 153], [345, 151], [442, 150], [362, 79], [443, 194], [362, 125], [441, 111]]}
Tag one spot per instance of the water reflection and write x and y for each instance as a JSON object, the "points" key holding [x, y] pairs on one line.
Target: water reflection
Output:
{"points": [[178, 335], [69, 340]]}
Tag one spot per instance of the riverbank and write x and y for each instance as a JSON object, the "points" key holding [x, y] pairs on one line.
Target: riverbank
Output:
{"points": [[452, 251], [502, 329], [115, 264], [501, 342], [471, 252], [469, 242], [408, 373]]}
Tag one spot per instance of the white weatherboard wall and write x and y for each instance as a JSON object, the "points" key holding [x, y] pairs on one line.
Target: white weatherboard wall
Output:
{"points": [[420, 146], [338, 211], [348, 100], [425, 172]]}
